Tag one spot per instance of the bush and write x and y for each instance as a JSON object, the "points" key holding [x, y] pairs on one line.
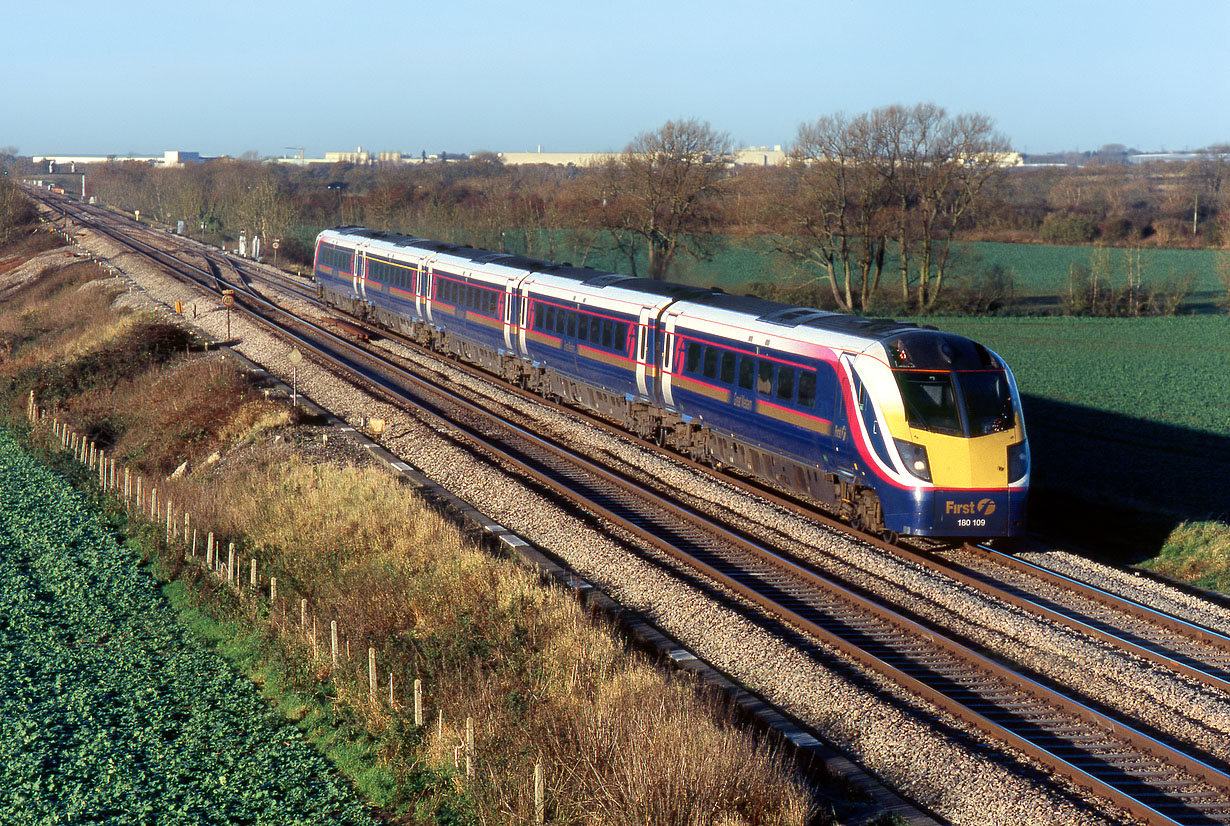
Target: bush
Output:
{"points": [[1068, 228]]}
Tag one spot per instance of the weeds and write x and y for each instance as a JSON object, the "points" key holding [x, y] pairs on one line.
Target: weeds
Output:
{"points": [[1196, 552]]}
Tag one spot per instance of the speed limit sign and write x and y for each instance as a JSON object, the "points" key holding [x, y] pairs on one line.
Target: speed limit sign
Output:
{"points": [[277, 243], [228, 298]]}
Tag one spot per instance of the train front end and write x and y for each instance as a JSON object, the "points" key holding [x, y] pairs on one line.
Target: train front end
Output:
{"points": [[952, 414]]}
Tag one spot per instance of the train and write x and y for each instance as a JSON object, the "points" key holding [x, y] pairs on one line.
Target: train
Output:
{"points": [[900, 429]]}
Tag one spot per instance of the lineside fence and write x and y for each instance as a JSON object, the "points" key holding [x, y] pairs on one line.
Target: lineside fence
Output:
{"points": [[290, 615]]}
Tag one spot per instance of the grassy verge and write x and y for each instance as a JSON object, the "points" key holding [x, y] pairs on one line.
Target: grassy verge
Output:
{"points": [[1196, 552], [620, 742]]}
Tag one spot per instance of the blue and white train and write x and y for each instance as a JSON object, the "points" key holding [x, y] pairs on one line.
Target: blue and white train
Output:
{"points": [[900, 429]]}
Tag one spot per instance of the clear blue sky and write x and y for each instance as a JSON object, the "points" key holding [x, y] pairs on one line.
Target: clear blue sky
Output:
{"points": [[466, 75]]}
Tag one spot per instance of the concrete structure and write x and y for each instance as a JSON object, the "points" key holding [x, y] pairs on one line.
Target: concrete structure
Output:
{"points": [[171, 157]]}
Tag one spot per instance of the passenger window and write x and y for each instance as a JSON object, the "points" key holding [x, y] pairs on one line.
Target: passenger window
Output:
{"points": [[692, 365], [621, 336], [606, 333], [711, 362], [561, 320], [785, 383], [548, 319], [572, 324], [595, 330], [764, 377], [728, 367], [747, 372], [583, 327], [807, 389]]}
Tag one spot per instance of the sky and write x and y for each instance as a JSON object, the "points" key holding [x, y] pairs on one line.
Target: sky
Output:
{"points": [[228, 77]]}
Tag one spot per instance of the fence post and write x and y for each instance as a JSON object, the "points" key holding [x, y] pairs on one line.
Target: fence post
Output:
{"points": [[302, 613], [371, 674], [209, 551], [540, 794], [170, 524], [273, 594], [392, 702], [418, 702], [333, 640], [253, 572], [232, 575]]}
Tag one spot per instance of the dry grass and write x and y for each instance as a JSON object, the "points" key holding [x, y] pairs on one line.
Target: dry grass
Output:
{"points": [[621, 742]]}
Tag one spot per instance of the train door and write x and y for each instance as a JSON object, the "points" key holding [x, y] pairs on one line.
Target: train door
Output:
{"points": [[644, 368], [360, 272], [510, 315], [429, 281], [523, 309], [667, 364]]}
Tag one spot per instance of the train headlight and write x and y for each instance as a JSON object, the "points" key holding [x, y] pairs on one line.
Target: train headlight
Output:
{"points": [[915, 458], [1018, 461]]}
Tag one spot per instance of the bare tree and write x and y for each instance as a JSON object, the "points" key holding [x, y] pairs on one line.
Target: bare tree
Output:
{"points": [[832, 208], [662, 192], [906, 175]]}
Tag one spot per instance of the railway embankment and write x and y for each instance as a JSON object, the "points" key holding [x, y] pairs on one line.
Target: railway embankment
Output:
{"points": [[510, 674]]}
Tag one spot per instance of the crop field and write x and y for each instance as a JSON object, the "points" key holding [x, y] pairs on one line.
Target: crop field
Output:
{"points": [[111, 711], [1129, 413]]}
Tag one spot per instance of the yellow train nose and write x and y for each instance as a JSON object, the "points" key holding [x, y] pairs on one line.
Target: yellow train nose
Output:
{"points": [[958, 462]]}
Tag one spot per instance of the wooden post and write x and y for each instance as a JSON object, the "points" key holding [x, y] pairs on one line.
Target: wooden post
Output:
{"points": [[193, 542], [439, 726], [253, 572], [273, 593], [209, 551], [540, 795], [302, 614], [137, 507], [102, 470], [392, 702], [469, 747], [371, 674], [170, 524], [333, 641], [418, 702], [315, 654], [231, 572], [153, 503], [127, 487], [186, 524]]}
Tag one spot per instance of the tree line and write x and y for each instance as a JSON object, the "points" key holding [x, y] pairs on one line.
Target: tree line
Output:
{"points": [[867, 205]]}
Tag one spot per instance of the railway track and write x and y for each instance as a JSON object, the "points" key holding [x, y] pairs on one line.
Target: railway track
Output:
{"points": [[1155, 780]]}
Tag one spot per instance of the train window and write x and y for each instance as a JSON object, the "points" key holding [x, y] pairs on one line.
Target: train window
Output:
{"points": [[693, 363], [493, 302], [606, 333], [548, 318], [561, 320], [764, 377], [728, 367], [595, 330], [807, 389], [785, 382], [711, 362], [747, 372], [583, 327], [572, 324], [621, 336]]}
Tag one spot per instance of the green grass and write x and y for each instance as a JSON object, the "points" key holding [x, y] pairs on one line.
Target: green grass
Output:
{"points": [[1196, 552]]}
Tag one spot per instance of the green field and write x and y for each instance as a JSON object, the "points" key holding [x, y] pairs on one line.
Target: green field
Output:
{"points": [[111, 712], [1167, 370]]}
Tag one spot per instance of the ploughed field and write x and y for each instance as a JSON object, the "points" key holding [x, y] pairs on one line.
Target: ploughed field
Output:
{"points": [[1127, 418], [111, 710]]}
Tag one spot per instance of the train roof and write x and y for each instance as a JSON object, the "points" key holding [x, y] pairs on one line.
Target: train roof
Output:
{"points": [[770, 312], [789, 315]]}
